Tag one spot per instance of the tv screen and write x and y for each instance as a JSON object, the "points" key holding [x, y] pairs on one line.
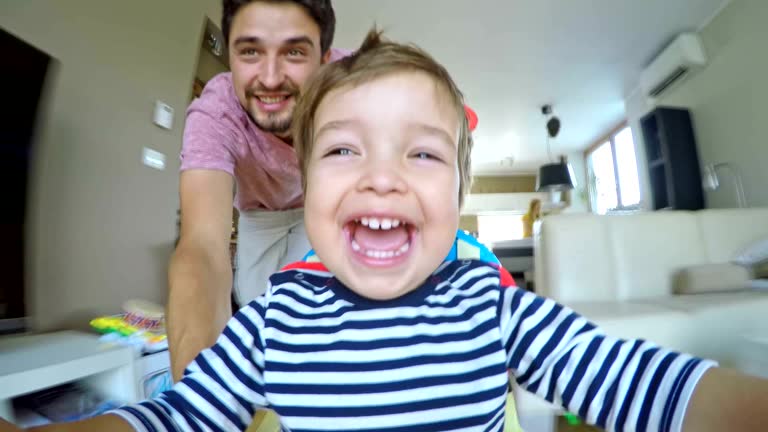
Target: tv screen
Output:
{"points": [[23, 77]]}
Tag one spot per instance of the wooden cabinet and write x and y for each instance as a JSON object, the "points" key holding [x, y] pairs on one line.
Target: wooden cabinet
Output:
{"points": [[673, 161]]}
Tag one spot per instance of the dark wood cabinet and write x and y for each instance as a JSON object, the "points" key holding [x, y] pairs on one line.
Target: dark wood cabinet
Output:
{"points": [[673, 161]]}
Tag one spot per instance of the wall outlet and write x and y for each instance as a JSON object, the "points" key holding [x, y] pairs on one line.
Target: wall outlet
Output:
{"points": [[163, 115], [153, 159]]}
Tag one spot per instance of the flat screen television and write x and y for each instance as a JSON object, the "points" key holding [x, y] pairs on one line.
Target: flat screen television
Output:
{"points": [[23, 75]]}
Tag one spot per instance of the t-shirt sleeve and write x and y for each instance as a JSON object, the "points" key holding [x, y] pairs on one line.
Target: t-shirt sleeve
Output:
{"points": [[612, 383], [222, 387], [208, 143]]}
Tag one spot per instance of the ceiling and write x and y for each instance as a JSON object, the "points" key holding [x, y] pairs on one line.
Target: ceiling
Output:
{"points": [[509, 57]]}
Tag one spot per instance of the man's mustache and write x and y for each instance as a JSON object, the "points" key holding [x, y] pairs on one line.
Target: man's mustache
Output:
{"points": [[253, 92]]}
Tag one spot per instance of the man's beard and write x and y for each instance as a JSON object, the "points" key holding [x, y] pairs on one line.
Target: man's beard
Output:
{"points": [[278, 123], [274, 123]]}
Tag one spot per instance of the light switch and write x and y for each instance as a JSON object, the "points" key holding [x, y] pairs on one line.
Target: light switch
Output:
{"points": [[163, 116], [153, 159]]}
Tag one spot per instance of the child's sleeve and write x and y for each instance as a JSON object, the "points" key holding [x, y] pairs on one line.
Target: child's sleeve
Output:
{"points": [[220, 390], [614, 384]]}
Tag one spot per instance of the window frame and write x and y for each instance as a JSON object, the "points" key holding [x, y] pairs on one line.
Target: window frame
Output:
{"points": [[610, 138]]}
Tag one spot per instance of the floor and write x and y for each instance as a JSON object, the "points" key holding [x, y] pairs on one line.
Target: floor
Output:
{"points": [[563, 426], [263, 422]]}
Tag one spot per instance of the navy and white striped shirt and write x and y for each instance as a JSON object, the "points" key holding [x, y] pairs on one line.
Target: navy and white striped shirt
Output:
{"points": [[436, 359]]}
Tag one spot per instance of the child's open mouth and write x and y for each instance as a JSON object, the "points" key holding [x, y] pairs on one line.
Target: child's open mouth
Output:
{"points": [[379, 241]]}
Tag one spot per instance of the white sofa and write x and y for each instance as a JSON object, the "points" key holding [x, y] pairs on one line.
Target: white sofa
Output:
{"points": [[618, 272]]}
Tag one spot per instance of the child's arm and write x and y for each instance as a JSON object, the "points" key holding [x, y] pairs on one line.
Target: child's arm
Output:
{"points": [[614, 384], [221, 388], [727, 400]]}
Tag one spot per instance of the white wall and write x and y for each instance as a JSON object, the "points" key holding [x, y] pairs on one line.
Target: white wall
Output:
{"points": [[102, 225], [636, 106], [728, 101]]}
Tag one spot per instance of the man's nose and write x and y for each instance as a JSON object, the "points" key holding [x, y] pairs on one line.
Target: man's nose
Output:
{"points": [[272, 75]]}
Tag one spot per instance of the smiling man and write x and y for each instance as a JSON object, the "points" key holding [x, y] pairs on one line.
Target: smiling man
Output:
{"points": [[237, 137]]}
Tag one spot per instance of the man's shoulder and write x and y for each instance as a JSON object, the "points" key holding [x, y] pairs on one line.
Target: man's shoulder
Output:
{"points": [[218, 98]]}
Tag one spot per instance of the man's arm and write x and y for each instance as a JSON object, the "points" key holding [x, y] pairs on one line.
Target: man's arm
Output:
{"points": [[726, 400], [200, 273]]}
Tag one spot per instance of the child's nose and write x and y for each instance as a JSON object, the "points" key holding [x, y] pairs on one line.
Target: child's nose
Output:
{"points": [[383, 178]]}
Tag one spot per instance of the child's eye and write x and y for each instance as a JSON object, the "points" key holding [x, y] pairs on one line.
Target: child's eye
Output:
{"points": [[339, 152], [425, 156]]}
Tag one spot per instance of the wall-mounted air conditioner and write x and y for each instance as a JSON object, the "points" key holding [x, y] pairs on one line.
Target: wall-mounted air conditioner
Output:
{"points": [[680, 59]]}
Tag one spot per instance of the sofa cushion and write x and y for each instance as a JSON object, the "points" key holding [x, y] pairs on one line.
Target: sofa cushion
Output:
{"points": [[728, 231], [707, 278], [573, 262], [648, 248], [720, 320], [755, 253], [653, 322]]}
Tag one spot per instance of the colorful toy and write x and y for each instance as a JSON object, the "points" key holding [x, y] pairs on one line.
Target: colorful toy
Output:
{"points": [[144, 315], [142, 326], [471, 117]]}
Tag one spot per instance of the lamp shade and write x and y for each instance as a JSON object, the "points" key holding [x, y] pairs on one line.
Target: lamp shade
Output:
{"points": [[554, 177]]}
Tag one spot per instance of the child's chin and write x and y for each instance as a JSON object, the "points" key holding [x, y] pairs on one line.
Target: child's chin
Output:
{"points": [[378, 287], [383, 293]]}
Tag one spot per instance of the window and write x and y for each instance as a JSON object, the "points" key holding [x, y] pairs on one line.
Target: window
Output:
{"points": [[498, 227], [613, 180]]}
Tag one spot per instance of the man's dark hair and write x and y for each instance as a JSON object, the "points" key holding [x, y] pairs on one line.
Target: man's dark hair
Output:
{"points": [[320, 10]]}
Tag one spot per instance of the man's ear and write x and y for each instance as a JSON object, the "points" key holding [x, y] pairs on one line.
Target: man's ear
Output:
{"points": [[326, 57]]}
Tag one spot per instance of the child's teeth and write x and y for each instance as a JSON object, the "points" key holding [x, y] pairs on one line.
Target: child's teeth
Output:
{"points": [[376, 223], [380, 254]]}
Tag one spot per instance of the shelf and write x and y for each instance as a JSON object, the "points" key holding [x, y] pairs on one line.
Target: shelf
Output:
{"points": [[673, 163], [35, 362]]}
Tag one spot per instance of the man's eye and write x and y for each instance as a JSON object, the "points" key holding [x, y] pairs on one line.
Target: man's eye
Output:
{"points": [[248, 52], [295, 53]]}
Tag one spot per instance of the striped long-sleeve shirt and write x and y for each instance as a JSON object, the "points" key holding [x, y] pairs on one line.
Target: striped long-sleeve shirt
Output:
{"points": [[436, 359]]}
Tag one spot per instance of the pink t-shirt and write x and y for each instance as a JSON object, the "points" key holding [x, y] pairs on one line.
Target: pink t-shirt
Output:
{"points": [[219, 135]]}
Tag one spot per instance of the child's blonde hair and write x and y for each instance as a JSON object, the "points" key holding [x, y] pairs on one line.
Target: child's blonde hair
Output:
{"points": [[375, 58]]}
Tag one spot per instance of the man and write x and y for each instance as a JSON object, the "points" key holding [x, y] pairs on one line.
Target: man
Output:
{"points": [[237, 137]]}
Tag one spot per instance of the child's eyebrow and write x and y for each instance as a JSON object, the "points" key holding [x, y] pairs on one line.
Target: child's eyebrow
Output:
{"points": [[335, 125], [425, 129], [414, 128]]}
